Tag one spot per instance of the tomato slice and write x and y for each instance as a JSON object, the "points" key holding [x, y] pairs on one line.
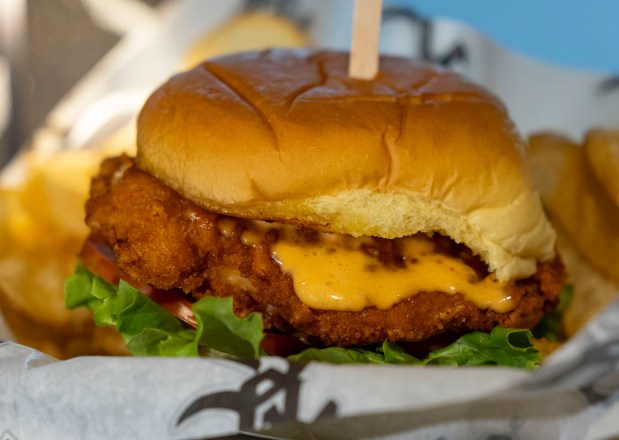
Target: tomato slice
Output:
{"points": [[99, 258], [278, 344], [175, 303]]}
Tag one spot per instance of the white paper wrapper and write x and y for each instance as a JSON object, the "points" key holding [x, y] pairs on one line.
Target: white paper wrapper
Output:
{"points": [[571, 397], [169, 398]]}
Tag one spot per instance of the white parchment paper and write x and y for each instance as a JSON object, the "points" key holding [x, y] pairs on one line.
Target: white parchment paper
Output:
{"points": [[169, 398], [573, 396]]}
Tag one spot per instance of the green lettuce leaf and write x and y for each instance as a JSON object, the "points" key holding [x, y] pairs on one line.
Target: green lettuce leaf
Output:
{"points": [[150, 330], [220, 330], [339, 355], [551, 325], [504, 347], [395, 354]]}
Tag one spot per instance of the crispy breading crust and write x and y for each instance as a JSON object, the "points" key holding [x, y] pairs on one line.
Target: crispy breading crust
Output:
{"points": [[166, 241]]}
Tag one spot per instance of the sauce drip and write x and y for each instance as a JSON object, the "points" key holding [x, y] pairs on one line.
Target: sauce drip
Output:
{"points": [[335, 271]]}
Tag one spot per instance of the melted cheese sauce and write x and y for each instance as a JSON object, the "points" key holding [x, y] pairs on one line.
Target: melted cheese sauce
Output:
{"points": [[333, 272]]}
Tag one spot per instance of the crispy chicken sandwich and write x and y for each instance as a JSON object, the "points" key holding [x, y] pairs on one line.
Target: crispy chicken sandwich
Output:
{"points": [[277, 205]]}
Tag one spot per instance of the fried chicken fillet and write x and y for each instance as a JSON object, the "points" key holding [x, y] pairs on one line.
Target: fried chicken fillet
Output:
{"points": [[170, 243]]}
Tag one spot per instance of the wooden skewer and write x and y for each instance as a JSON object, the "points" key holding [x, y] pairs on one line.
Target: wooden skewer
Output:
{"points": [[363, 62]]}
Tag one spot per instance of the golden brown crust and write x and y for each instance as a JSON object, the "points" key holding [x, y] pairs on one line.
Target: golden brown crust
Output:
{"points": [[578, 203], [146, 222], [580, 188], [602, 151], [288, 136]]}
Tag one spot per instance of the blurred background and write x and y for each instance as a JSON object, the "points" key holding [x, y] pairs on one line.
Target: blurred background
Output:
{"points": [[53, 43]]}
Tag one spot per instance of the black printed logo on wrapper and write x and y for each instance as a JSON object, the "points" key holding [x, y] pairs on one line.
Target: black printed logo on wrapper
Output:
{"points": [[456, 53], [257, 395]]}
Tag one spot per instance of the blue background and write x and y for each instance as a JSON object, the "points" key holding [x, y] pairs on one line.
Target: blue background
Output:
{"points": [[581, 34]]}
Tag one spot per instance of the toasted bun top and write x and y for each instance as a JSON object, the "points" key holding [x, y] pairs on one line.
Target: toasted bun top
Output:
{"points": [[286, 135]]}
